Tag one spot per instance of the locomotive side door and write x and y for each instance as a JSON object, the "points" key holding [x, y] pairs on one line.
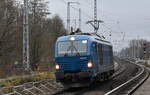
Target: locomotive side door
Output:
{"points": [[94, 55]]}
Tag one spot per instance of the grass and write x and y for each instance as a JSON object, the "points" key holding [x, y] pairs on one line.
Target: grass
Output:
{"points": [[18, 80]]}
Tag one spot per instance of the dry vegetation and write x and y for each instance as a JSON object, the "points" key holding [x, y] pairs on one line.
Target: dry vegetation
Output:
{"points": [[43, 33], [18, 80]]}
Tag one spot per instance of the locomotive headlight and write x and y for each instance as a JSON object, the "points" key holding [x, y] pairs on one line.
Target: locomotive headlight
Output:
{"points": [[72, 38], [57, 67], [89, 64]]}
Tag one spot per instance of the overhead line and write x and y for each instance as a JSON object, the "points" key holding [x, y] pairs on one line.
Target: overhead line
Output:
{"points": [[87, 15], [87, 4], [82, 12], [65, 2]]}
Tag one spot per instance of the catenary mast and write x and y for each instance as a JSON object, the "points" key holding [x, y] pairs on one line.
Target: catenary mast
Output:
{"points": [[95, 23], [26, 60]]}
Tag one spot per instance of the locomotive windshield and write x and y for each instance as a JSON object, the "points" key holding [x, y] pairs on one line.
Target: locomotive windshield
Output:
{"points": [[66, 47]]}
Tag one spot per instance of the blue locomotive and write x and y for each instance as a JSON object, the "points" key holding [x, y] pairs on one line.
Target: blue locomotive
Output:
{"points": [[83, 58]]}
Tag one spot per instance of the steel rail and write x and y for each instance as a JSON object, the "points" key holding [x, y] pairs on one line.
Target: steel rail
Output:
{"points": [[139, 84], [119, 70], [121, 87]]}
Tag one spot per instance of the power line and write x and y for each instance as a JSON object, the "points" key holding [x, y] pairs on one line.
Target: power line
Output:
{"points": [[86, 4], [105, 13], [64, 1], [83, 12]]}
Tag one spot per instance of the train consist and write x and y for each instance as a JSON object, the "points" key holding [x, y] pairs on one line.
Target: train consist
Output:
{"points": [[83, 58]]}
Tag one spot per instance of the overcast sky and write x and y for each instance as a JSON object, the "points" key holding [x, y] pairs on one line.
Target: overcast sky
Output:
{"points": [[129, 16]]}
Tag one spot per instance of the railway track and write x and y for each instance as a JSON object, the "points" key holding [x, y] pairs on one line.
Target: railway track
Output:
{"points": [[79, 91], [129, 87], [115, 86], [128, 75], [43, 87]]}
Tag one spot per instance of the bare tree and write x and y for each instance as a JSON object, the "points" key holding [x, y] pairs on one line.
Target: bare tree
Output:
{"points": [[135, 49], [43, 33], [9, 34]]}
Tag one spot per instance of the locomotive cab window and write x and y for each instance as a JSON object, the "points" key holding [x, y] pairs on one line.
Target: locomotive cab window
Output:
{"points": [[77, 46]]}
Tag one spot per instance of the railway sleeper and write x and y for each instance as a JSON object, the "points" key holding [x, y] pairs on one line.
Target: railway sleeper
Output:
{"points": [[104, 76]]}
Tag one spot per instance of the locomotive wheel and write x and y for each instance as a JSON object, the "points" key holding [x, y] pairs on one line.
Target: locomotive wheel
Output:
{"points": [[108, 74], [105, 76], [98, 78], [102, 77]]}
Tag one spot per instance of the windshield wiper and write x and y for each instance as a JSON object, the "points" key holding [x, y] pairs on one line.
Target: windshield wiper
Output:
{"points": [[76, 50], [67, 51], [72, 47]]}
